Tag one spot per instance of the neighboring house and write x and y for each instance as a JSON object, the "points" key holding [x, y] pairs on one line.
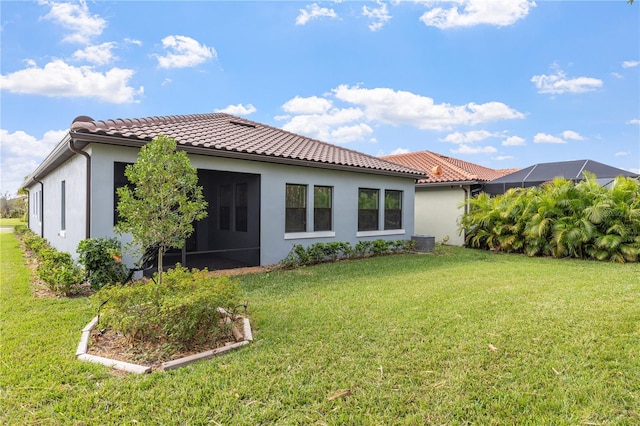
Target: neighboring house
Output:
{"points": [[440, 198], [267, 189], [544, 172]]}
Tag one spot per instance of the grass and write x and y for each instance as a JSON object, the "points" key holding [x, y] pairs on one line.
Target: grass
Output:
{"points": [[11, 222], [462, 337]]}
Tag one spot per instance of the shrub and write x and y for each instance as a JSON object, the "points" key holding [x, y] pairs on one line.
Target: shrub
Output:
{"points": [[59, 272], [180, 312], [102, 261], [329, 252], [560, 218], [35, 242]]}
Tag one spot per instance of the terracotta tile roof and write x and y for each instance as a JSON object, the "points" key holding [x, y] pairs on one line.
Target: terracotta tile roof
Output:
{"points": [[441, 169], [224, 133]]}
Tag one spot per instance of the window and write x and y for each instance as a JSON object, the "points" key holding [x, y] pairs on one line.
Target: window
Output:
{"points": [[392, 209], [322, 202], [63, 206], [242, 200], [368, 209], [225, 207], [296, 208], [119, 179]]}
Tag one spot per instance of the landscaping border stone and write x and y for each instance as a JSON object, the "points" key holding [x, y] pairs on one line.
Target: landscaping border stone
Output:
{"points": [[82, 355]]}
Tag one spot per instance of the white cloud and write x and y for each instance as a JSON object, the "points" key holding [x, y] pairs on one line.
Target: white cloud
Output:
{"points": [[468, 137], [630, 64], [503, 157], [467, 13], [184, 52], [166, 82], [571, 135], [558, 83], [75, 17], [21, 154], [622, 154], [133, 41], [58, 79], [238, 109], [313, 11], [379, 16], [321, 126], [466, 149], [399, 151], [617, 75], [405, 108], [546, 138], [310, 105], [514, 141], [346, 134], [100, 54], [634, 121]]}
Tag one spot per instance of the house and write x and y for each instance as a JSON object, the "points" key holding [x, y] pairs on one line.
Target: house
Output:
{"points": [[267, 189], [441, 196], [544, 172]]}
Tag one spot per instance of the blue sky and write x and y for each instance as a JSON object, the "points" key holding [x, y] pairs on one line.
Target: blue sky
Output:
{"points": [[501, 83]]}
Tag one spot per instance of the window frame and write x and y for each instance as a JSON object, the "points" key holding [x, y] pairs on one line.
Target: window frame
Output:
{"points": [[371, 223], [63, 205], [295, 216], [322, 216], [388, 225]]}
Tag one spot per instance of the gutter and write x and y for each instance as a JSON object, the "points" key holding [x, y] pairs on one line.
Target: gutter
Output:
{"points": [[87, 214]]}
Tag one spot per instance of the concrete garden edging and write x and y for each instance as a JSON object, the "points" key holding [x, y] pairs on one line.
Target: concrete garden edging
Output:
{"points": [[83, 346]]}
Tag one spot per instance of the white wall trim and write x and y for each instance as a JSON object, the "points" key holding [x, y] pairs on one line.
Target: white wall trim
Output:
{"points": [[302, 235], [380, 233]]}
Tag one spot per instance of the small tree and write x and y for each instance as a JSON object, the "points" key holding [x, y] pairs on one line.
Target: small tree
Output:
{"points": [[163, 200]]}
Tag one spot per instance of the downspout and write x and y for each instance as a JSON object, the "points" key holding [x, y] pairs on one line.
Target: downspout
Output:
{"points": [[41, 211], [466, 208], [28, 208], [75, 150]]}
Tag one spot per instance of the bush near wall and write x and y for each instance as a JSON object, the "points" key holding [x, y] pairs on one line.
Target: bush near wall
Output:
{"points": [[55, 268], [102, 261], [560, 219], [329, 252]]}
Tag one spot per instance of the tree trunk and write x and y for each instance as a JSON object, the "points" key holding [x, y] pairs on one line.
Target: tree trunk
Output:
{"points": [[160, 267]]}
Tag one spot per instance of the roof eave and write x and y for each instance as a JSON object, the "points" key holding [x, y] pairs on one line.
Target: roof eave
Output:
{"points": [[450, 183], [57, 156]]}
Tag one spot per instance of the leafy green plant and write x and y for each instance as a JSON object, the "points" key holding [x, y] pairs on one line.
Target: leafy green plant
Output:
{"points": [[181, 312], [59, 272], [560, 219], [35, 242], [330, 252], [102, 261]]}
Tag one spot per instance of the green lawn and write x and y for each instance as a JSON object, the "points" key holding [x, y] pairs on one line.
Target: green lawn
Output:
{"points": [[462, 337], [11, 222]]}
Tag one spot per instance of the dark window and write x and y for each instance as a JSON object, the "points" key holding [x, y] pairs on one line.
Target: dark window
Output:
{"points": [[63, 206], [119, 179], [368, 209], [226, 197], [322, 202], [296, 208], [242, 200], [392, 209]]}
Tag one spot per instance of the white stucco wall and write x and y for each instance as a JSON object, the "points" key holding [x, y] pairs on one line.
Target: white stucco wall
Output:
{"points": [[275, 245], [73, 172], [437, 212]]}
